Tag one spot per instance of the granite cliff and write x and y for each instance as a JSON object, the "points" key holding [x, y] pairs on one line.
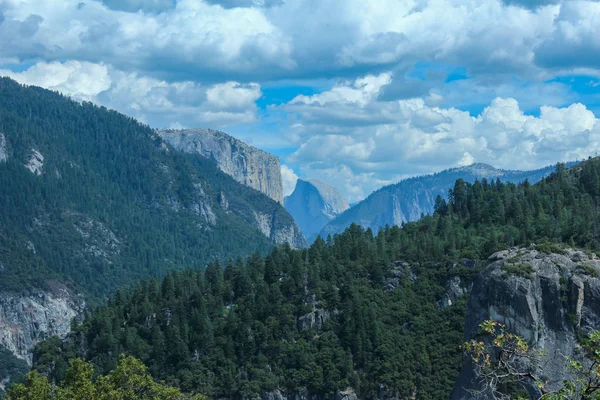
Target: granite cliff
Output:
{"points": [[409, 199], [246, 164], [545, 298], [26, 319], [313, 204]]}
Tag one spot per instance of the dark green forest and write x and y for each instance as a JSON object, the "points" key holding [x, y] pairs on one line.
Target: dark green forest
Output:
{"points": [[113, 205], [235, 329]]}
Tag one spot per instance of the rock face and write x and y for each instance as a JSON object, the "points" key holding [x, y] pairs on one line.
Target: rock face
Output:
{"points": [[409, 199], [246, 164], [27, 319], [313, 204], [3, 149], [279, 233], [542, 297], [455, 289], [35, 162]]}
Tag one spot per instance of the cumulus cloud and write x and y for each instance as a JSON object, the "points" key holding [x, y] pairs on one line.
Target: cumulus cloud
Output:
{"points": [[407, 137], [153, 101], [575, 41], [191, 39], [80, 80], [289, 179], [247, 40]]}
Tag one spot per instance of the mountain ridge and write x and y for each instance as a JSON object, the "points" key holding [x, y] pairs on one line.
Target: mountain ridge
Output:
{"points": [[410, 198]]}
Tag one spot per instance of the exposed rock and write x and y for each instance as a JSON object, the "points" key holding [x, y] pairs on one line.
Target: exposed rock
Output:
{"points": [[3, 149], [541, 297], [202, 206], [407, 200], [346, 394], [100, 242], [246, 164], [35, 162], [400, 269], [454, 291], [279, 234], [27, 319], [313, 204], [223, 202]]}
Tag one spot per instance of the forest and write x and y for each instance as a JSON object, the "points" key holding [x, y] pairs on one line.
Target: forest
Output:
{"points": [[112, 205], [238, 329]]}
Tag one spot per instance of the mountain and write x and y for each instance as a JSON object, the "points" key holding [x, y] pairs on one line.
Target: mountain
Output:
{"points": [[246, 164], [313, 204], [93, 201], [409, 199], [362, 315]]}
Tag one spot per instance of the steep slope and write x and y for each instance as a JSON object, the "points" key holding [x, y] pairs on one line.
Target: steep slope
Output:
{"points": [[246, 164], [313, 204], [409, 199], [548, 299], [94, 200]]}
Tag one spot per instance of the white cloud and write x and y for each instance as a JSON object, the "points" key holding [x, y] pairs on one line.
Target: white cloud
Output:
{"points": [[80, 80], [408, 137], [153, 101], [233, 95], [289, 179], [244, 40]]}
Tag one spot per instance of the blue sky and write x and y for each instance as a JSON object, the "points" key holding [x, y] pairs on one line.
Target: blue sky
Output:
{"points": [[359, 93]]}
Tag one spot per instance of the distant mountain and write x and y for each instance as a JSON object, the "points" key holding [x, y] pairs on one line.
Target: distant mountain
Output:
{"points": [[246, 164], [92, 200], [407, 200], [313, 204]]}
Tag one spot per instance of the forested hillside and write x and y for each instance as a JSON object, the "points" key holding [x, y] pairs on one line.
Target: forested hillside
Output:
{"points": [[356, 310], [411, 198], [93, 198]]}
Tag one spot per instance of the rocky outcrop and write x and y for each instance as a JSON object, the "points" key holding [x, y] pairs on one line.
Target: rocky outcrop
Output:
{"points": [[455, 289], [545, 298], [3, 148], [409, 199], [313, 204], [35, 163], [27, 319], [346, 394], [246, 164], [279, 233]]}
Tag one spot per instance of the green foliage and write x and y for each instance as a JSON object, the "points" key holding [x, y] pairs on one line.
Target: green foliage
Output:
{"points": [[503, 359], [522, 270], [128, 381], [111, 206], [234, 330], [589, 270], [549, 248], [11, 367]]}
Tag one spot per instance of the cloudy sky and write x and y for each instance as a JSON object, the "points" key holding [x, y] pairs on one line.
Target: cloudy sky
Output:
{"points": [[359, 93]]}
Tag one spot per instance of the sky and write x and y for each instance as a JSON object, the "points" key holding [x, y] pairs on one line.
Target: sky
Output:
{"points": [[358, 93]]}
